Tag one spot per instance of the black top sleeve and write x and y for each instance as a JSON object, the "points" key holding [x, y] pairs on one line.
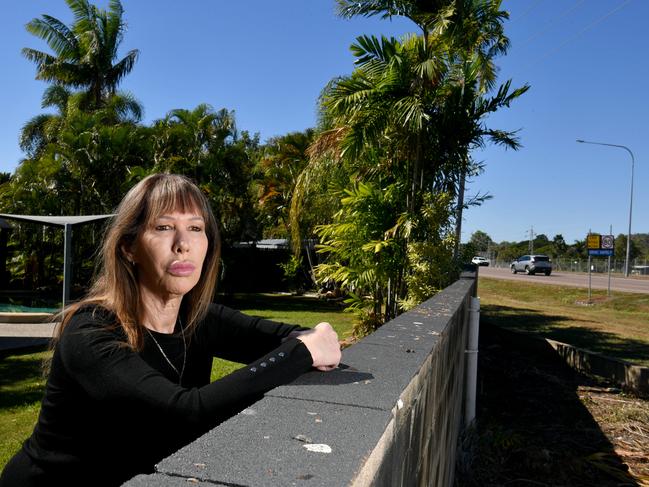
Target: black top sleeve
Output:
{"points": [[235, 336], [91, 354]]}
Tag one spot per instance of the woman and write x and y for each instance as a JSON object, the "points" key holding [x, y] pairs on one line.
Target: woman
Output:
{"points": [[130, 375]]}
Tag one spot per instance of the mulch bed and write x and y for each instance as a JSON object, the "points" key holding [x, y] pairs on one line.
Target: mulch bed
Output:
{"points": [[541, 423]]}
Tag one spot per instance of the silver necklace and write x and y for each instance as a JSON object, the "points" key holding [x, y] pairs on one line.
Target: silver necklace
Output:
{"points": [[182, 371]]}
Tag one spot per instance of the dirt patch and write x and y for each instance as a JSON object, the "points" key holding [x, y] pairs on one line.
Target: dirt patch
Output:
{"points": [[624, 420], [541, 423]]}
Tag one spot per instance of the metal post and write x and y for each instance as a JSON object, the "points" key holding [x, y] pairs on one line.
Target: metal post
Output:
{"points": [[628, 239], [67, 262], [608, 292], [589, 279]]}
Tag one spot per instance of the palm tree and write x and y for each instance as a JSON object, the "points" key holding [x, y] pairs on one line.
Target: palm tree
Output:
{"points": [[389, 104], [84, 53], [284, 159], [42, 130], [471, 35], [186, 139]]}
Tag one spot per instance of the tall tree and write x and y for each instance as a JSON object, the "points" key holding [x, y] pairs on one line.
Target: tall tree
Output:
{"points": [[559, 245], [85, 53], [480, 240], [473, 36]]}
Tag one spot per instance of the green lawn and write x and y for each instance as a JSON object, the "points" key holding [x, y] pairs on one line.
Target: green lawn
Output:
{"points": [[21, 390], [617, 326], [22, 382]]}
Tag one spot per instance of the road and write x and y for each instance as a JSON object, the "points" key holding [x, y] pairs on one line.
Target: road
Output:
{"points": [[599, 281]]}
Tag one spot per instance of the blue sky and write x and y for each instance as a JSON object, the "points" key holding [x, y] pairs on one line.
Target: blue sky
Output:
{"points": [[268, 60]]}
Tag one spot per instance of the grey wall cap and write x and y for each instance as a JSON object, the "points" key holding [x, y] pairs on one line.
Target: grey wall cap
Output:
{"points": [[283, 442]]}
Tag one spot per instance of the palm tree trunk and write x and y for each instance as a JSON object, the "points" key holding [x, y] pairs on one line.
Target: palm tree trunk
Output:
{"points": [[460, 207], [417, 167]]}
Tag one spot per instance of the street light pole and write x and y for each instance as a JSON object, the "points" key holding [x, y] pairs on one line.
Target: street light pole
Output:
{"points": [[628, 238]]}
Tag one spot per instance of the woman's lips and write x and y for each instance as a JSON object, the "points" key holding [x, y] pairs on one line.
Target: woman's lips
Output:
{"points": [[181, 268]]}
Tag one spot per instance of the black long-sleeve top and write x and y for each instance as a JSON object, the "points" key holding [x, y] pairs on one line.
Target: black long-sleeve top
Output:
{"points": [[110, 413]]}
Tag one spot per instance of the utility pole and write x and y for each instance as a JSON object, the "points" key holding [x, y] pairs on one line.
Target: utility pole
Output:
{"points": [[531, 240]]}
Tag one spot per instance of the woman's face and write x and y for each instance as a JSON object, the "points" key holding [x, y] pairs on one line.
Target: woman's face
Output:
{"points": [[169, 253]]}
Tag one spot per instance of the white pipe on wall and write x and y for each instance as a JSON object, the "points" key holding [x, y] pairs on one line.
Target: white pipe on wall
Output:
{"points": [[472, 361]]}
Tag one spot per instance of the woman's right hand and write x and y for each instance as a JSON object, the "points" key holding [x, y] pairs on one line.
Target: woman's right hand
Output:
{"points": [[322, 343]]}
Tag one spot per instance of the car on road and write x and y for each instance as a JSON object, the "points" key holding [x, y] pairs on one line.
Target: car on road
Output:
{"points": [[531, 264], [477, 260]]}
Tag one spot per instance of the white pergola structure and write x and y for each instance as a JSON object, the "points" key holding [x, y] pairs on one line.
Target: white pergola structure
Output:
{"points": [[67, 222]]}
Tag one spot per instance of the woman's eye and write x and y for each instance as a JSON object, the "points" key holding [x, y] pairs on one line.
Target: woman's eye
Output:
{"points": [[162, 228], [196, 229]]}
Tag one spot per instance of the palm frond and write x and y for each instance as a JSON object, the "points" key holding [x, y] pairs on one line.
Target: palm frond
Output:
{"points": [[327, 144], [507, 139], [368, 48], [55, 96], [369, 8], [33, 134], [126, 107], [409, 111], [122, 68], [55, 33], [84, 15], [39, 57]]}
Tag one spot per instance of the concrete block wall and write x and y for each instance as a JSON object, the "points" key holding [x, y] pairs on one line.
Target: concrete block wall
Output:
{"points": [[390, 416]]}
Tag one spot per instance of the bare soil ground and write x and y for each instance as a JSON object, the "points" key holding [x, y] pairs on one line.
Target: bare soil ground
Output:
{"points": [[539, 423]]}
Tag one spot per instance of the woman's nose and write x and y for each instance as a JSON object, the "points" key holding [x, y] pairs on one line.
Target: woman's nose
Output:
{"points": [[181, 245]]}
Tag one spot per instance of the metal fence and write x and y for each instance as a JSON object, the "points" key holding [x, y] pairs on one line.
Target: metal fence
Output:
{"points": [[598, 264]]}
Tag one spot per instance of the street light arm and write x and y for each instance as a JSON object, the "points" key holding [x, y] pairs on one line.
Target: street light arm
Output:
{"points": [[611, 145]]}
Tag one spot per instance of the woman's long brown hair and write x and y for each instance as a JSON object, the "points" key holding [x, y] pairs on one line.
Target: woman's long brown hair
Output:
{"points": [[115, 286]]}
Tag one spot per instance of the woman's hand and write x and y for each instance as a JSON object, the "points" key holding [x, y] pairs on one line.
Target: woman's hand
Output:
{"points": [[322, 342]]}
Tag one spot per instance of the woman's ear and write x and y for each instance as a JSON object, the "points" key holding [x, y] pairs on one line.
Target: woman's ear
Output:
{"points": [[128, 253]]}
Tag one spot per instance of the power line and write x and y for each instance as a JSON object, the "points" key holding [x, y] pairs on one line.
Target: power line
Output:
{"points": [[588, 27], [549, 25], [532, 7]]}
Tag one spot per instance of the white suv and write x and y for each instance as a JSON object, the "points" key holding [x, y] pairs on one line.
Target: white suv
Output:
{"points": [[480, 261], [531, 264]]}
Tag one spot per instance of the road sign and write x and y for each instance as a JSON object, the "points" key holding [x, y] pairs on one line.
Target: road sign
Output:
{"points": [[600, 252], [600, 244], [594, 241], [608, 242]]}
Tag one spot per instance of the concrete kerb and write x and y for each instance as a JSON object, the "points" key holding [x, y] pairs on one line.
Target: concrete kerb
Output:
{"points": [[19, 337], [631, 377], [634, 378], [10, 317]]}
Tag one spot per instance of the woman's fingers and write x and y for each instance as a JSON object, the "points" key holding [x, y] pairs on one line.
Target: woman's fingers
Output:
{"points": [[322, 343]]}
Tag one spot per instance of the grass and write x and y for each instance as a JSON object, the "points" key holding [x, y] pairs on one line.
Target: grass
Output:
{"points": [[22, 383], [21, 390], [615, 326]]}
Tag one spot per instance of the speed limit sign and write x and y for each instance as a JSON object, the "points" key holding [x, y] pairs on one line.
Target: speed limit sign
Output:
{"points": [[608, 242]]}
